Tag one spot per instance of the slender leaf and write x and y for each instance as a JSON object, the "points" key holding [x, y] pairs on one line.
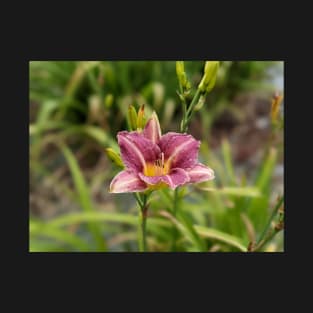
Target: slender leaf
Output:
{"points": [[257, 208], [252, 192], [220, 236], [83, 194], [197, 240], [100, 217], [46, 230], [186, 229]]}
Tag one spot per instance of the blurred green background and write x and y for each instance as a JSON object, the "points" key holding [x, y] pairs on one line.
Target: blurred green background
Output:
{"points": [[76, 110]]}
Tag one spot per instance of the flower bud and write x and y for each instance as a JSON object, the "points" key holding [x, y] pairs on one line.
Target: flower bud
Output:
{"points": [[132, 117], [210, 72], [181, 75], [114, 157], [200, 103], [180, 69], [141, 120], [108, 100]]}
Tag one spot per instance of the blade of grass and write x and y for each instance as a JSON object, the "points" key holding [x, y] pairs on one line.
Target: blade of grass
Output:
{"points": [[83, 195], [48, 125], [252, 192], [37, 245], [157, 225], [44, 113], [99, 217], [73, 84], [45, 230], [257, 207], [198, 241], [186, 229], [220, 236], [267, 169], [268, 225]]}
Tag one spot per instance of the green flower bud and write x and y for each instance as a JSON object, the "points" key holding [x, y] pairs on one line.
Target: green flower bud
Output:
{"points": [[132, 117], [114, 157], [108, 100], [181, 75], [210, 72], [141, 120], [200, 103], [180, 69]]}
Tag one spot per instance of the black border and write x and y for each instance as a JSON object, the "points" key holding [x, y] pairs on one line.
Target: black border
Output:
{"points": [[228, 270]]}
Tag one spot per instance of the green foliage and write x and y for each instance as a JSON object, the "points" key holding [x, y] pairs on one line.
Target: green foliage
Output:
{"points": [[76, 110], [83, 195]]}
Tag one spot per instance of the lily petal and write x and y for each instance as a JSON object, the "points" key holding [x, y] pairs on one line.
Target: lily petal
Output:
{"points": [[152, 129], [175, 178], [180, 149], [136, 150], [200, 173], [127, 181]]}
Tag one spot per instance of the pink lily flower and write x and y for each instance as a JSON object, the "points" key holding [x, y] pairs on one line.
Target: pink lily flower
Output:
{"points": [[154, 161]]}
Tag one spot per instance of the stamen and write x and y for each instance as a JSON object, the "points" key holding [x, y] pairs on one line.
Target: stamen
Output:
{"points": [[158, 168]]}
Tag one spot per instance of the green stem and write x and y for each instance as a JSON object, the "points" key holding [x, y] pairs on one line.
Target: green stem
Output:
{"points": [[174, 232], [194, 101], [143, 230], [138, 198], [184, 104], [183, 125], [190, 111], [266, 240], [267, 227], [142, 202]]}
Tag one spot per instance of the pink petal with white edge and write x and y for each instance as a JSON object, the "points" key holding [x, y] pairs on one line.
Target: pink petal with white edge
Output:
{"points": [[152, 130], [175, 178], [136, 150], [200, 173], [127, 181], [180, 149]]}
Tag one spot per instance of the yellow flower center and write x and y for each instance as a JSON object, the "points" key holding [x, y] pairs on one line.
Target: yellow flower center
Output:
{"points": [[158, 168]]}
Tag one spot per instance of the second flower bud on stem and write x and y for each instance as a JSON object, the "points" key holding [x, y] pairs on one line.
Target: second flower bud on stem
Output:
{"points": [[205, 86], [209, 78], [136, 121]]}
